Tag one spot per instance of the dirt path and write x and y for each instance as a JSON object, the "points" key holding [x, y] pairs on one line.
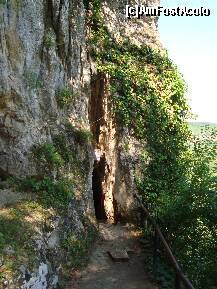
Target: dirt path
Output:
{"points": [[103, 273]]}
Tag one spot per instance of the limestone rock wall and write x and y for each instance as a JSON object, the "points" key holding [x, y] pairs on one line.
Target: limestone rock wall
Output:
{"points": [[43, 53], [42, 50], [138, 31]]}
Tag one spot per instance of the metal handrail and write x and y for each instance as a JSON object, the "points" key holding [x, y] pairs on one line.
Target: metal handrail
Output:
{"points": [[180, 276]]}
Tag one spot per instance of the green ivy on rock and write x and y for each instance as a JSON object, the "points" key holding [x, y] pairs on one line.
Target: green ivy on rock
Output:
{"points": [[148, 97]]}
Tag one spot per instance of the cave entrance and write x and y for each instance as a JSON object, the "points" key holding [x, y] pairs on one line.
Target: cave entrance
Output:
{"points": [[97, 187]]}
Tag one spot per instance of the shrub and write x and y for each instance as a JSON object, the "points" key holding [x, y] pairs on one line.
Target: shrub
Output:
{"points": [[33, 80], [78, 246], [64, 96], [49, 39], [47, 157], [81, 135], [55, 194]]}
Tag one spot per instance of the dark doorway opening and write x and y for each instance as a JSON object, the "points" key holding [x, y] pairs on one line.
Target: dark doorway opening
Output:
{"points": [[97, 186], [4, 175]]}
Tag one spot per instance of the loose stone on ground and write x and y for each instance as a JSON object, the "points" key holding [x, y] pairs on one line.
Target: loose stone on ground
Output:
{"points": [[118, 255]]}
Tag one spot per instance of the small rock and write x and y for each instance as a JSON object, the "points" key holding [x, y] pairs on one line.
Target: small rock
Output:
{"points": [[22, 269], [9, 250], [5, 283], [39, 244], [26, 274], [76, 275], [53, 240]]}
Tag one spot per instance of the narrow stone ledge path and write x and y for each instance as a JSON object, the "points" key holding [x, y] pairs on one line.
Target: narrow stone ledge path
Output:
{"points": [[116, 261]]}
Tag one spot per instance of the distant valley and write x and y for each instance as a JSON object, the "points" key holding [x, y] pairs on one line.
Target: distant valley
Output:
{"points": [[196, 127]]}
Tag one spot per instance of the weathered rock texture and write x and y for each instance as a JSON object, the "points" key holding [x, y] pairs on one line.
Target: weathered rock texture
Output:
{"points": [[119, 150], [43, 50]]}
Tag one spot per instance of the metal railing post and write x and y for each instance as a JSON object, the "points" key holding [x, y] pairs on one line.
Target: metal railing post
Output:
{"points": [[155, 253], [177, 282]]}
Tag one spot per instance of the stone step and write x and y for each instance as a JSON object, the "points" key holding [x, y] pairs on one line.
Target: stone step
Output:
{"points": [[118, 255]]}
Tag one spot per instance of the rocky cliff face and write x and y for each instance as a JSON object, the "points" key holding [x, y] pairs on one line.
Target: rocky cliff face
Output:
{"points": [[49, 82], [43, 51]]}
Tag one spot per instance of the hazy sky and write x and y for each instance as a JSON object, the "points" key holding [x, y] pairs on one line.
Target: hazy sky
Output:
{"points": [[192, 44]]}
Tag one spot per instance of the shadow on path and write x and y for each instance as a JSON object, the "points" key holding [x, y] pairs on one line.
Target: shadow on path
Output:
{"points": [[103, 273]]}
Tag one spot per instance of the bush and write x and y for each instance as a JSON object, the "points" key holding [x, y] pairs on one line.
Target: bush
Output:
{"points": [[191, 217], [64, 96], [49, 39], [78, 246], [63, 148], [81, 135], [47, 157], [52, 158], [55, 194]]}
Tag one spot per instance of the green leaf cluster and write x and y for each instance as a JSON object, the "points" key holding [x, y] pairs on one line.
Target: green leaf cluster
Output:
{"points": [[47, 155], [191, 217], [51, 185], [52, 193], [64, 96], [49, 39], [81, 135]]}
